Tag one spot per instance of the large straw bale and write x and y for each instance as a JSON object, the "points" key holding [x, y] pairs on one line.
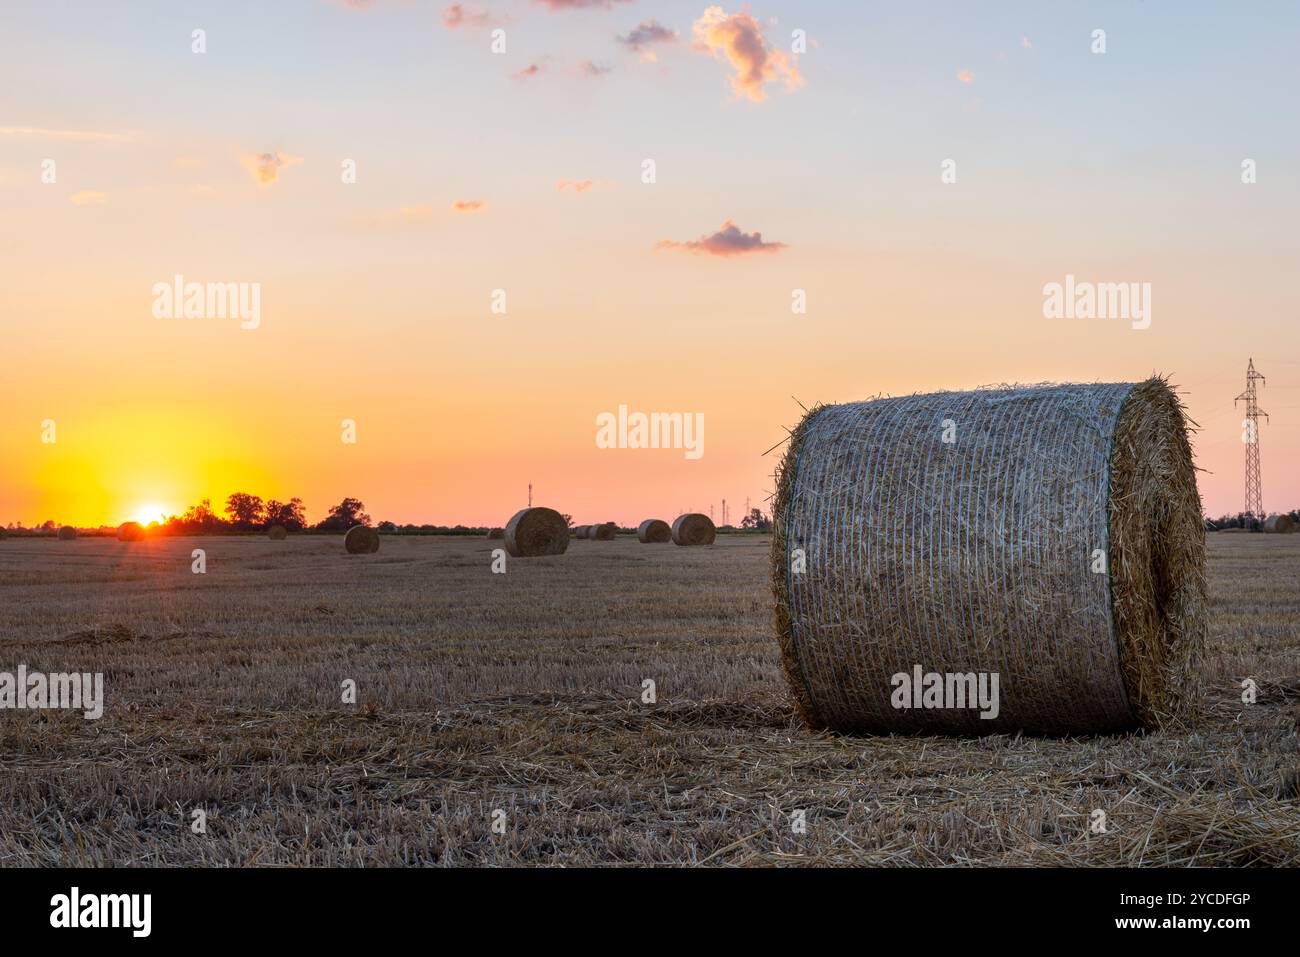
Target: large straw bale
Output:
{"points": [[654, 531], [693, 528], [361, 540], [1056, 541], [536, 531]]}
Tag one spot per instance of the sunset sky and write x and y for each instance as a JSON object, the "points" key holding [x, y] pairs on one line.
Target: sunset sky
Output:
{"points": [[522, 171]]}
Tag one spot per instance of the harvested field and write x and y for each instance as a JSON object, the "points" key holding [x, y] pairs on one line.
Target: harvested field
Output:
{"points": [[523, 692]]}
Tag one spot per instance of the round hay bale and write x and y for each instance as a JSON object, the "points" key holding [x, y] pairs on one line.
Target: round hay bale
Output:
{"points": [[496, 533], [130, 532], [581, 531], [67, 533], [536, 531], [654, 531], [693, 529], [604, 532], [1278, 524], [361, 540], [277, 533], [1057, 544]]}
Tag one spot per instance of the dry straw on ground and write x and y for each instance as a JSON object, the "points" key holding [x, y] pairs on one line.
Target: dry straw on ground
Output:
{"points": [[1056, 541], [277, 533], [361, 540], [496, 533], [536, 531], [654, 531], [693, 529], [603, 533], [130, 532], [1278, 523], [67, 533]]}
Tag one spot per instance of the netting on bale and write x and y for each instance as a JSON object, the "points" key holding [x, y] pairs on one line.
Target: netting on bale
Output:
{"points": [[1051, 535]]}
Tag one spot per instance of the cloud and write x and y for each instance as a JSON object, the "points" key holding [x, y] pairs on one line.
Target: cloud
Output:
{"points": [[966, 76], [591, 68], [201, 191], [529, 71], [557, 5], [647, 34], [729, 240], [738, 39], [456, 16], [1027, 43], [88, 197], [265, 167], [468, 205], [577, 185], [40, 133]]}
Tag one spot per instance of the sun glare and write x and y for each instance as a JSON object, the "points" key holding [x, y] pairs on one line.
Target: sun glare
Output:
{"points": [[149, 513]]}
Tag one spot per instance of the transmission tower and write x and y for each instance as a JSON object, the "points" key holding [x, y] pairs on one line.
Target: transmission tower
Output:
{"points": [[1254, 491]]}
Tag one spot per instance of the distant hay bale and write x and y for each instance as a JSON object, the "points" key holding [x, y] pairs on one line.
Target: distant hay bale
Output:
{"points": [[603, 533], [67, 533], [582, 531], [693, 529], [654, 531], [277, 533], [496, 533], [361, 540], [130, 532], [536, 531], [1278, 523], [1049, 535]]}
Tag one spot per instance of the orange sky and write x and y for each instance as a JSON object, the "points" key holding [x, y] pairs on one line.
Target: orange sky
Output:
{"points": [[375, 295]]}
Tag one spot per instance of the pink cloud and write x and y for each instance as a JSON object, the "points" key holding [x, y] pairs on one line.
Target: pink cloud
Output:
{"points": [[578, 186], [468, 205], [738, 39], [265, 167], [966, 76], [729, 240], [557, 5], [648, 33], [529, 71], [456, 16]]}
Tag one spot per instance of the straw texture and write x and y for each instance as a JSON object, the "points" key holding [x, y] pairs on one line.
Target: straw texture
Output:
{"points": [[361, 540], [277, 533], [604, 532], [536, 531], [654, 531], [67, 533], [1056, 541], [693, 529]]}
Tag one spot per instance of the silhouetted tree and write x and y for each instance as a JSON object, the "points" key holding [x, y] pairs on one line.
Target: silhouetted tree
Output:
{"points": [[201, 518], [290, 514], [349, 512], [245, 510], [757, 521]]}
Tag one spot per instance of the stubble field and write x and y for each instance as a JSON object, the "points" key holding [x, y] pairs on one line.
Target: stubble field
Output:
{"points": [[516, 700]]}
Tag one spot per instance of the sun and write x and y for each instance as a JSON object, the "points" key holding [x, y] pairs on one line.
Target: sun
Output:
{"points": [[150, 513]]}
